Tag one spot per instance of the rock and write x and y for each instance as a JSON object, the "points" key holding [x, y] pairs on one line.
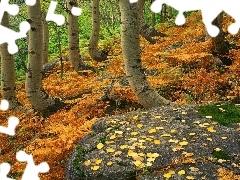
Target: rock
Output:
{"points": [[168, 140]]}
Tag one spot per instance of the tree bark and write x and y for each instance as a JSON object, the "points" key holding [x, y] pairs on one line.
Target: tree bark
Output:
{"points": [[8, 71], [45, 32], [38, 98], [146, 96], [93, 45], [146, 31], [73, 38]]}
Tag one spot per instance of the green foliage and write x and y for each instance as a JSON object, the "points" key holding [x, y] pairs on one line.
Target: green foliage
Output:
{"points": [[220, 155], [224, 113]]}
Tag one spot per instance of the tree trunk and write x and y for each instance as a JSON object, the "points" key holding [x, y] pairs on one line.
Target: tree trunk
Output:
{"points": [[93, 45], [8, 72], [73, 38], [169, 12], [45, 39], [34, 90], [146, 31], [132, 59], [220, 46]]}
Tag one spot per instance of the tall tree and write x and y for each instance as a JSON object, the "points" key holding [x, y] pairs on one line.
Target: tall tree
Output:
{"points": [[130, 44], [8, 71], [45, 35], [93, 45], [73, 37], [38, 98], [146, 31]]}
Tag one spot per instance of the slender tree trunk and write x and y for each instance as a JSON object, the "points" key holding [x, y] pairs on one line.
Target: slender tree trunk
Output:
{"points": [[8, 72], [73, 38], [45, 39], [132, 59], [38, 98], [169, 12], [93, 45], [146, 31]]}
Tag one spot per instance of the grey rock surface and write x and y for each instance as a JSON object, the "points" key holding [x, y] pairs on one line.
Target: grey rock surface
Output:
{"points": [[148, 145]]}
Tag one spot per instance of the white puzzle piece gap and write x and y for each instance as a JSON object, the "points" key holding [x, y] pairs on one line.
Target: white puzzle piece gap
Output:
{"points": [[12, 123], [51, 16], [76, 11], [30, 2], [133, 1], [4, 105], [210, 10], [4, 170], [12, 9], [31, 171]]}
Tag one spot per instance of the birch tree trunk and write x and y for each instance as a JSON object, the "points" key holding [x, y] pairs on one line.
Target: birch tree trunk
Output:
{"points": [[8, 71], [73, 37], [132, 59], [38, 98], [93, 45]]}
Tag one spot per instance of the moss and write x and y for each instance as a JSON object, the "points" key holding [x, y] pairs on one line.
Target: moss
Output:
{"points": [[220, 155], [223, 113]]}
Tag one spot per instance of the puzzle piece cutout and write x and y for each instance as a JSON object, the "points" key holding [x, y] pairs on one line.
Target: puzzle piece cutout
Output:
{"points": [[31, 171], [12, 121], [4, 170], [210, 9], [58, 18], [7, 35]]}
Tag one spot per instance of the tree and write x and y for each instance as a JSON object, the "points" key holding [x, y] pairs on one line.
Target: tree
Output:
{"points": [[146, 31], [220, 46], [131, 54], [8, 71], [38, 98], [73, 37], [93, 45], [45, 35]]}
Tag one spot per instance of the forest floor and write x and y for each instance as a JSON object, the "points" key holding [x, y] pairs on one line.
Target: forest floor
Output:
{"points": [[185, 75]]}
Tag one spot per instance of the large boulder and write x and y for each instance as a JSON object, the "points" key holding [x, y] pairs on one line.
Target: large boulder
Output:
{"points": [[156, 144]]}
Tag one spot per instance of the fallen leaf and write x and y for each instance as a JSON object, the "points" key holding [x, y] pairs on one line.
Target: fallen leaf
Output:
{"points": [[87, 163], [109, 163], [194, 169], [192, 134], [173, 140], [217, 149], [181, 172], [156, 141], [152, 130], [134, 133], [123, 146], [113, 137], [95, 168], [139, 125], [210, 129], [97, 161], [183, 143], [110, 150], [100, 145], [189, 177]]}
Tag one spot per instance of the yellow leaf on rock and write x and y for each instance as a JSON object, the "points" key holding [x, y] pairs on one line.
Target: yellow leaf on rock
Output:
{"points": [[183, 143], [134, 133], [192, 134], [123, 146], [87, 163], [139, 125], [112, 137], [95, 168], [189, 177], [193, 169], [224, 137], [158, 128], [109, 163], [97, 161], [181, 172], [156, 141], [100, 145], [152, 130], [166, 135], [138, 163], [217, 149], [167, 175], [110, 150], [209, 117], [173, 130], [210, 129], [173, 140], [209, 139]]}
